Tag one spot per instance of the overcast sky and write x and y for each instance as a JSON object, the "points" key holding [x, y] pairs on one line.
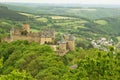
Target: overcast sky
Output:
{"points": [[67, 1]]}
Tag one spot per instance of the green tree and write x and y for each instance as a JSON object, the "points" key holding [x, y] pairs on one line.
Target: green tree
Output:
{"points": [[17, 75], [1, 63]]}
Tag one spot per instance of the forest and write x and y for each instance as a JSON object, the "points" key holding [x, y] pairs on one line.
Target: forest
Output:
{"points": [[31, 61], [23, 60]]}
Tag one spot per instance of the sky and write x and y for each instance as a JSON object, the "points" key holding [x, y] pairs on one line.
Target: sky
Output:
{"points": [[67, 1]]}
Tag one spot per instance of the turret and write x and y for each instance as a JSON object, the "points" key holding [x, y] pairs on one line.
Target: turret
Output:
{"points": [[62, 46], [66, 37], [71, 43], [11, 34]]}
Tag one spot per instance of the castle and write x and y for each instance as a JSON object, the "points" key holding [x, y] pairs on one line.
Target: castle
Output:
{"points": [[46, 36], [66, 44]]}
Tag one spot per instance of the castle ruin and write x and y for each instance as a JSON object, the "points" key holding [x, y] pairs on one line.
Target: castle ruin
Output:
{"points": [[46, 36]]}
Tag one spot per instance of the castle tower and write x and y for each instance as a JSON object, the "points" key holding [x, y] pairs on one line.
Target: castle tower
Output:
{"points": [[26, 27], [71, 43], [47, 36], [62, 47], [11, 34], [66, 37]]}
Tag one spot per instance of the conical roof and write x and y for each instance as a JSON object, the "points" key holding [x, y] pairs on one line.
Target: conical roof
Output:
{"points": [[12, 29], [62, 40], [71, 38]]}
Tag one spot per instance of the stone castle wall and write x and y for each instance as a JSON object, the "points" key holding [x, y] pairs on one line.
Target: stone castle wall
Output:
{"points": [[46, 40], [32, 39], [46, 36]]}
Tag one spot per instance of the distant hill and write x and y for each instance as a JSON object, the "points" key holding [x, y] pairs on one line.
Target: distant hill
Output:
{"points": [[6, 13], [9, 18], [86, 11], [81, 22], [109, 26]]}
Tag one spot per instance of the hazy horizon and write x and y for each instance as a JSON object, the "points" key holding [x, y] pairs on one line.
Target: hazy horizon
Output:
{"points": [[101, 2]]}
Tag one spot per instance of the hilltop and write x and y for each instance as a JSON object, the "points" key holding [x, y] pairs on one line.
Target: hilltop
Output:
{"points": [[9, 14], [90, 11]]}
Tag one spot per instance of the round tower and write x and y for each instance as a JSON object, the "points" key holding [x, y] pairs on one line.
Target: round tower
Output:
{"points": [[71, 43], [11, 34], [62, 47]]}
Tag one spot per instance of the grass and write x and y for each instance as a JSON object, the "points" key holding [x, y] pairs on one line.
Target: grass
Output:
{"points": [[100, 22], [79, 27], [25, 14], [4, 23], [118, 38], [34, 30], [61, 17], [29, 15], [42, 19]]}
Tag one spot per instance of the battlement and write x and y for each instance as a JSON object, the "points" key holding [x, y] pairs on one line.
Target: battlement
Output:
{"points": [[48, 33]]}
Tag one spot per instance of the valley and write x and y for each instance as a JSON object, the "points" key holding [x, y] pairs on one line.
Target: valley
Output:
{"points": [[96, 51]]}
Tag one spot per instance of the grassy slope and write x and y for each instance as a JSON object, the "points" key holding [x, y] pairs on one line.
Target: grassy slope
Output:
{"points": [[6, 13], [109, 25], [79, 26], [91, 13]]}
